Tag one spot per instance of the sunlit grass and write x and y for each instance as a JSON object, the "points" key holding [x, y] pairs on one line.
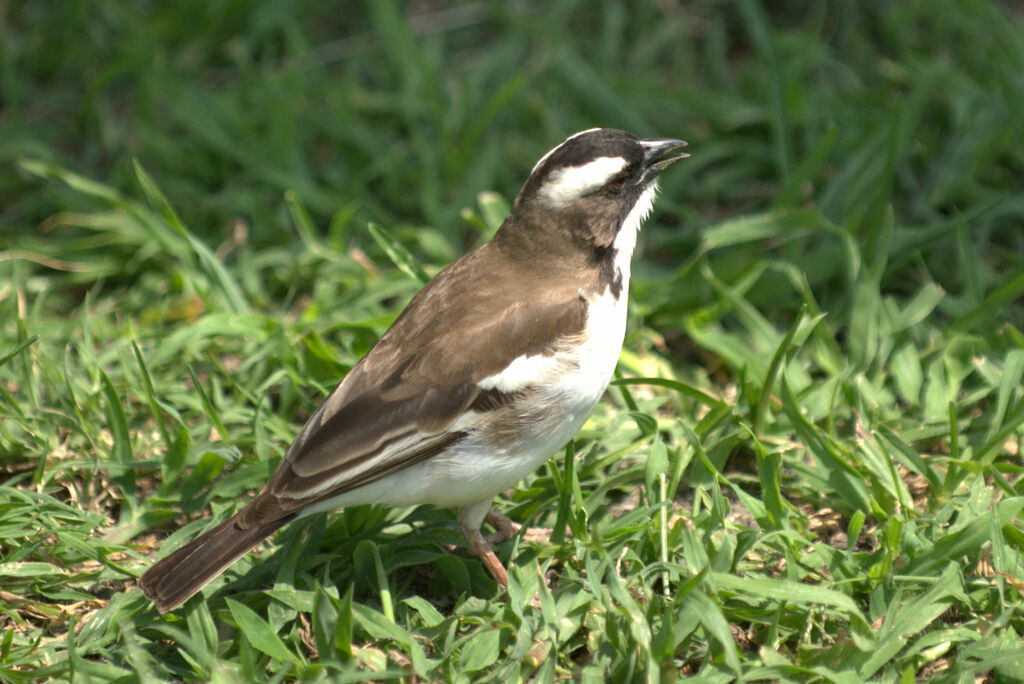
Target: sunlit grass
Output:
{"points": [[809, 466]]}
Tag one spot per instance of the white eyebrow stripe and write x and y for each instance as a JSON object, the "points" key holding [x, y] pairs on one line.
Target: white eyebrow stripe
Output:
{"points": [[572, 182], [552, 150]]}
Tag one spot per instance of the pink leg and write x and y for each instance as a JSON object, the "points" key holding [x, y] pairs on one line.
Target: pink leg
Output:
{"points": [[470, 519]]}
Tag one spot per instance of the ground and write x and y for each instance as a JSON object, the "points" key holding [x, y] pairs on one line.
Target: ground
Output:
{"points": [[807, 469]]}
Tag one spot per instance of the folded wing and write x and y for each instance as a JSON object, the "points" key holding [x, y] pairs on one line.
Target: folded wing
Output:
{"points": [[403, 402]]}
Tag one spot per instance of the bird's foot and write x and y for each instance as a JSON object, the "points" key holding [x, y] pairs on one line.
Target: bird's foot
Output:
{"points": [[505, 528]]}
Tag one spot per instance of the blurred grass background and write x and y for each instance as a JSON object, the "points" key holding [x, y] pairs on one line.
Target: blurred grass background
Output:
{"points": [[822, 483]]}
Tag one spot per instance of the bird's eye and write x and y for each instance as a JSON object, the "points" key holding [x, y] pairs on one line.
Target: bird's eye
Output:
{"points": [[618, 183]]}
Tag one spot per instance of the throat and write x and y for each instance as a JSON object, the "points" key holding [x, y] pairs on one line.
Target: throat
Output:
{"points": [[614, 260], [610, 274]]}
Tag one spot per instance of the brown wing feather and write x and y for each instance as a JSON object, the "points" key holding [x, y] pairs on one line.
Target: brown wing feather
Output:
{"points": [[419, 378]]}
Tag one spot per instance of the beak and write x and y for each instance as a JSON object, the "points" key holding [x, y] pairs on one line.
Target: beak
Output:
{"points": [[661, 153]]}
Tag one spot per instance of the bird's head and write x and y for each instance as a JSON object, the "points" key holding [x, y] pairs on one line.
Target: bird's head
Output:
{"points": [[594, 183]]}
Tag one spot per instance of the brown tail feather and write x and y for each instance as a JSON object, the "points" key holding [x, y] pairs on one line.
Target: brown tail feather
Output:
{"points": [[174, 579]]}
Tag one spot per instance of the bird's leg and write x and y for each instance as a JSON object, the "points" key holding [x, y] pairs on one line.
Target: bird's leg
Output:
{"points": [[487, 555], [470, 519]]}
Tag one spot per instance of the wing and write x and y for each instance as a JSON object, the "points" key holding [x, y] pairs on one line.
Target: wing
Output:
{"points": [[399, 405]]}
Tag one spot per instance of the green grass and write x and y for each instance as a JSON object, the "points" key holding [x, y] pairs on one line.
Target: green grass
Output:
{"points": [[809, 468]]}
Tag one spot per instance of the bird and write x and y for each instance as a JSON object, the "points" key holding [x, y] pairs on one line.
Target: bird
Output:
{"points": [[492, 367]]}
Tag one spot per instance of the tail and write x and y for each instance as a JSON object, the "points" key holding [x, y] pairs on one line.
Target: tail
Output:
{"points": [[176, 578]]}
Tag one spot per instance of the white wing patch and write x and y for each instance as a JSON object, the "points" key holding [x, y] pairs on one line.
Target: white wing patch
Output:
{"points": [[523, 372], [572, 182]]}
